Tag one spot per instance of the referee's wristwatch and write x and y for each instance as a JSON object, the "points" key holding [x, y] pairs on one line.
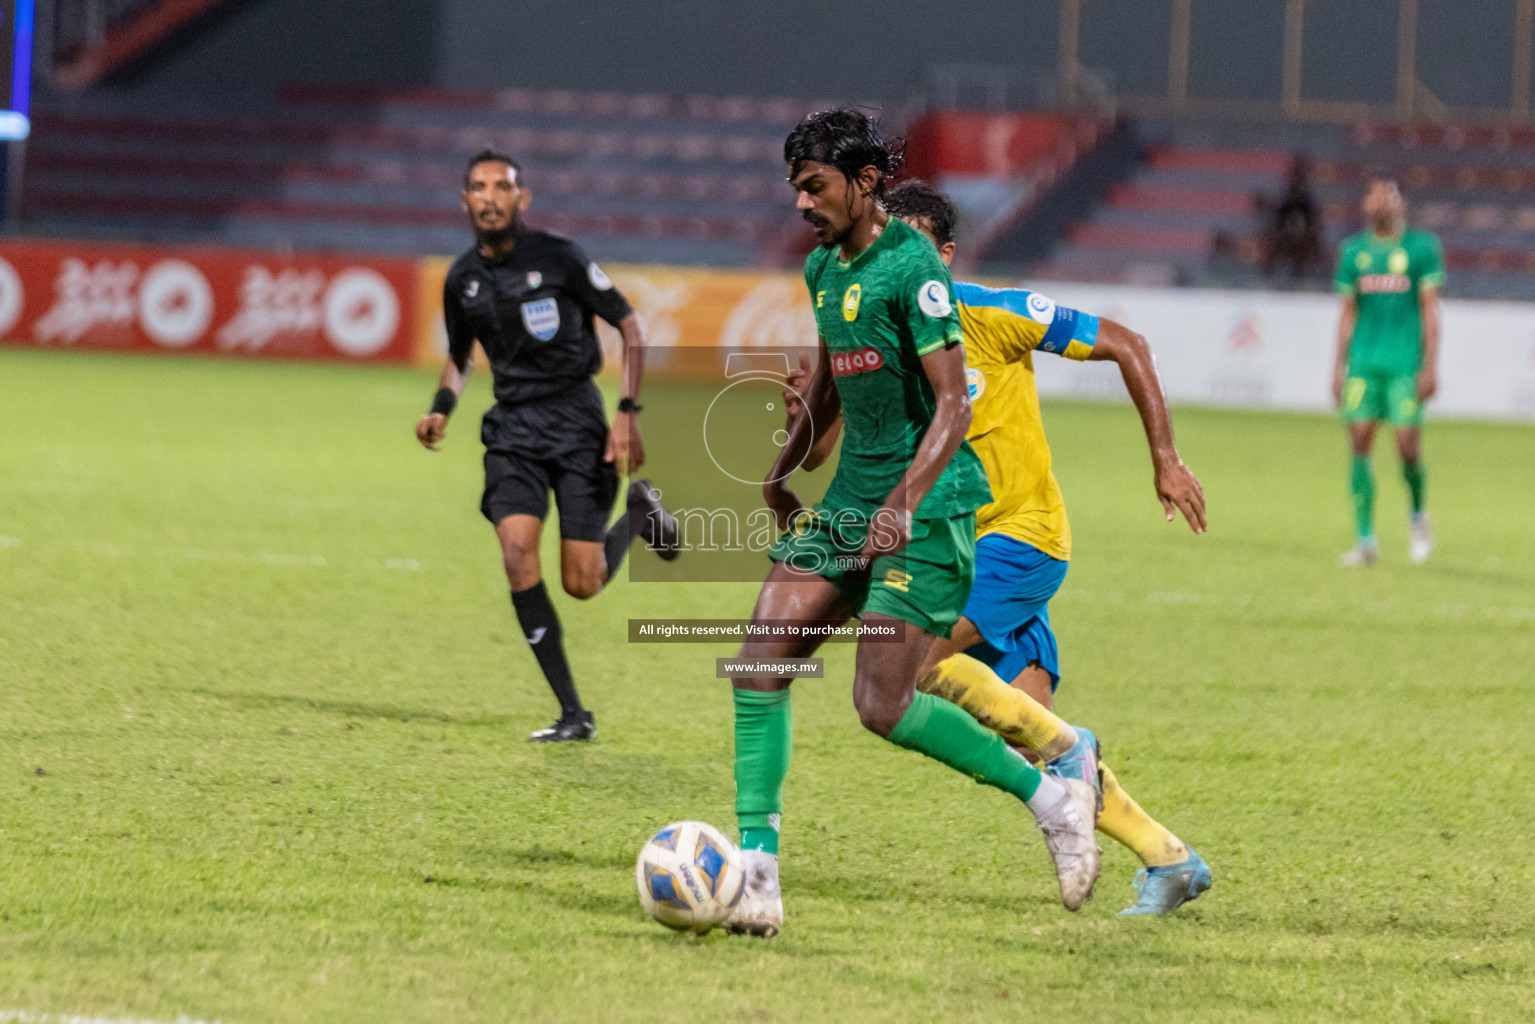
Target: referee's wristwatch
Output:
{"points": [[629, 405]]}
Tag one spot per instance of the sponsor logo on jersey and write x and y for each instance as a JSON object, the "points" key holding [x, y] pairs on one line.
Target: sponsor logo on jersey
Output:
{"points": [[1379, 284], [975, 382], [473, 289], [600, 281], [850, 300], [933, 299], [541, 318], [862, 361], [1041, 308], [535, 279]]}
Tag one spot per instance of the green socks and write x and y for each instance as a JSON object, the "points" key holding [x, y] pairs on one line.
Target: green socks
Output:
{"points": [[1362, 487], [947, 733], [764, 740], [1412, 472]]}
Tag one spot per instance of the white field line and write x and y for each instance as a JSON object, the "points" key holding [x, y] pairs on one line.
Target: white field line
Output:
{"points": [[26, 1017]]}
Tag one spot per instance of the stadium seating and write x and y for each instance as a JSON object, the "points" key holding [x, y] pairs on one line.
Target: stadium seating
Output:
{"points": [[1192, 211], [688, 180]]}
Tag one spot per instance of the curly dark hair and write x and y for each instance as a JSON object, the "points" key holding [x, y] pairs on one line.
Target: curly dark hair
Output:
{"points": [[491, 156], [848, 140], [919, 200]]}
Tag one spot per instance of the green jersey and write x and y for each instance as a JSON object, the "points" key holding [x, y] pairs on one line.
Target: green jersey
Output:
{"points": [[879, 314], [1385, 275]]}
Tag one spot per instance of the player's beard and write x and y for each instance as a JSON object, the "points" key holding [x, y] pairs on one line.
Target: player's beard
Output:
{"points": [[499, 236]]}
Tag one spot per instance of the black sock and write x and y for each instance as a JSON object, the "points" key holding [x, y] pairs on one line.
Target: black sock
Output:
{"points": [[615, 543], [540, 624]]}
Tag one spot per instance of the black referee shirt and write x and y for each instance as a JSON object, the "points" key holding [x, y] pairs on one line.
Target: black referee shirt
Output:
{"points": [[532, 313]]}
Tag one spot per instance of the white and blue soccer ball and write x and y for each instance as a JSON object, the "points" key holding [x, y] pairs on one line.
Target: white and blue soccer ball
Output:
{"points": [[690, 876]]}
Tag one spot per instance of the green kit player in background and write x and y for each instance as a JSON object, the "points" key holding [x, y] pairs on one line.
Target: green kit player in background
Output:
{"points": [[893, 542], [1388, 354]]}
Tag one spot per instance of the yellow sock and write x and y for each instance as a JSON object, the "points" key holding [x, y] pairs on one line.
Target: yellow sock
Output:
{"points": [[1123, 821], [1008, 712]]}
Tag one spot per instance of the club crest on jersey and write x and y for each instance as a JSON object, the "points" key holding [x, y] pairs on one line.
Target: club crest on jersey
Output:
{"points": [[541, 318], [535, 279], [1396, 263], [975, 382], [933, 299], [850, 300], [862, 361]]}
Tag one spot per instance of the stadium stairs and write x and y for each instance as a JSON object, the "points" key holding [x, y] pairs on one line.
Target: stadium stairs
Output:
{"points": [[1191, 212], [665, 179]]}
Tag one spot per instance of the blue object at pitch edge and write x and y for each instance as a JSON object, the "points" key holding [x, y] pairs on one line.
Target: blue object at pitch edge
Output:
{"points": [[1165, 889]]}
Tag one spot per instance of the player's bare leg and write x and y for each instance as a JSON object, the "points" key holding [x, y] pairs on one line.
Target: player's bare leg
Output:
{"points": [[1410, 447], [1366, 551], [764, 739], [583, 568], [519, 536]]}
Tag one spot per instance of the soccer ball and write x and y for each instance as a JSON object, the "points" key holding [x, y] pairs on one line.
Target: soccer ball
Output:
{"points": [[690, 876]]}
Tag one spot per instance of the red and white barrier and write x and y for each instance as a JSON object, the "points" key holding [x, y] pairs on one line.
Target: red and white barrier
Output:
{"points": [[217, 301]]}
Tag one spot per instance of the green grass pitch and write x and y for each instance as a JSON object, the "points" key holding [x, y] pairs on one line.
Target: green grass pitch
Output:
{"points": [[263, 707]]}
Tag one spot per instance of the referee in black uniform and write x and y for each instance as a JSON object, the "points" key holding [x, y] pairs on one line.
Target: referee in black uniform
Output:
{"points": [[529, 298]]}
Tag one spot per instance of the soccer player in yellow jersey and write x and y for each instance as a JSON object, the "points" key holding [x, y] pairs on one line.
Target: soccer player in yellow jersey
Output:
{"points": [[1025, 540]]}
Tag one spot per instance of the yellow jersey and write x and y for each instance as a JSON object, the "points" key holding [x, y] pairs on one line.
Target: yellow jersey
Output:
{"points": [[1003, 327]]}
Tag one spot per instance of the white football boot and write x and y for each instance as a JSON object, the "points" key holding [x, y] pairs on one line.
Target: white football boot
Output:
{"points": [[1421, 539], [1068, 823], [1366, 552], [760, 911]]}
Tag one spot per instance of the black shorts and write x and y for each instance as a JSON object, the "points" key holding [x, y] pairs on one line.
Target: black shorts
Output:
{"points": [[584, 487]]}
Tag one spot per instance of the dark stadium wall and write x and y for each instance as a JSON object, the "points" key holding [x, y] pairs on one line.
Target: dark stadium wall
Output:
{"points": [[855, 49], [260, 44]]}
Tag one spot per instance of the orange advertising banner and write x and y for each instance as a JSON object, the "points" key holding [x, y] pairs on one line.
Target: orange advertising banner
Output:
{"points": [[61, 294], [683, 308]]}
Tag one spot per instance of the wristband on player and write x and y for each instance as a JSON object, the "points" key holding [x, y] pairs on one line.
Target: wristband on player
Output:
{"points": [[444, 402], [629, 405]]}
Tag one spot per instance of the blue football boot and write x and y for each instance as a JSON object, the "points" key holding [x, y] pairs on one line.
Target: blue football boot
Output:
{"points": [[1081, 763], [1165, 889]]}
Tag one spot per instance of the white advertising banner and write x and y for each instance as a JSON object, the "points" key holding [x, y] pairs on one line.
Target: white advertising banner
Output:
{"points": [[1275, 351]]}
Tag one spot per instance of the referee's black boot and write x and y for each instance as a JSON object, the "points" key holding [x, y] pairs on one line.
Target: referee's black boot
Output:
{"points": [[657, 526], [576, 726]]}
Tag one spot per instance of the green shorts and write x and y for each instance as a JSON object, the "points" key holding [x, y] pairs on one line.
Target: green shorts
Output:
{"points": [[1382, 397], [926, 584]]}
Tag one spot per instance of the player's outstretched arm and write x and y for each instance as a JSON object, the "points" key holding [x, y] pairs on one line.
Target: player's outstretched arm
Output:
{"points": [[433, 427], [1177, 487], [819, 407], [891, 528], [625, 446]]}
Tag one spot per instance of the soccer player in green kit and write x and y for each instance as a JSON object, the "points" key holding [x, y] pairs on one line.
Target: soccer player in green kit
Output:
{"points": [[1388, 354], [893, 542]]}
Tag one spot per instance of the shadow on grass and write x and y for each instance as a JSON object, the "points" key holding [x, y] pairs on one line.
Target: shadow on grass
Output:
{"points": [[571, 897], [346, 708]]}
